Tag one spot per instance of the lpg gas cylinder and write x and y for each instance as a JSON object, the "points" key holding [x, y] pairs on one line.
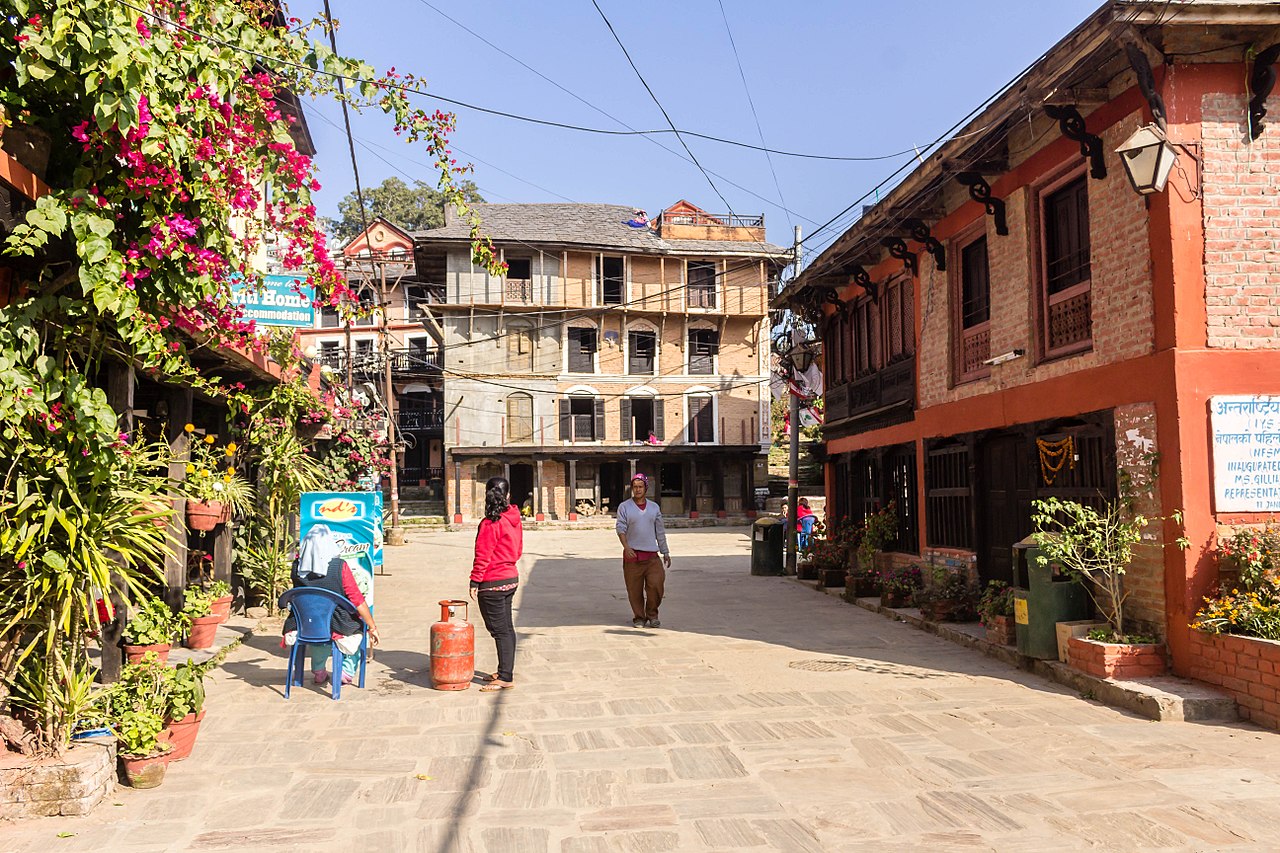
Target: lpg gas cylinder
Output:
{"points": [[453, 648]]}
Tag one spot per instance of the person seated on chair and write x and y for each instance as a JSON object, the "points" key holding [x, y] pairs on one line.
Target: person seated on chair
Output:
{"points": [[802, 510], [320, 564]]}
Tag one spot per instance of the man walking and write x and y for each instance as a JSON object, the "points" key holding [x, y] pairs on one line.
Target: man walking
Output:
{"points": [[643, 539]]}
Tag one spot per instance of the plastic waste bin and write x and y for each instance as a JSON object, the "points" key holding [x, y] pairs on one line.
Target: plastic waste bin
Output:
{"points": [[1043, 596], [767, 543]]}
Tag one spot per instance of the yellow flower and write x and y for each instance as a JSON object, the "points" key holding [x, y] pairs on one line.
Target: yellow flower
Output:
{"points": [[227, 478], [231, 449], [190, 427], [231, 472], [204, 472], [191, 469], [208, 439]]}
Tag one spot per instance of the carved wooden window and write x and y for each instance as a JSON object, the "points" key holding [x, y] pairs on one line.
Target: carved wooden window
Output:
{"points": [[1066, 273], [899, 320], [973, 312], [865, 338], [519, 281]]}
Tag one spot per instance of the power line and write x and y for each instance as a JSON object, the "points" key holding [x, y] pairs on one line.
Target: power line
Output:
{"points": [[661, 108], [750, 102]]}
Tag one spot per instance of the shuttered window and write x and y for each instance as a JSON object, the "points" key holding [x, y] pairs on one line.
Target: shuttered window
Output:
{"points": [[1066, 292], [520, 418]]}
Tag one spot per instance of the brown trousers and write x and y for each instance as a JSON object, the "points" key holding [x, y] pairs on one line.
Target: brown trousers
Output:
{"points": [[644, 581]]}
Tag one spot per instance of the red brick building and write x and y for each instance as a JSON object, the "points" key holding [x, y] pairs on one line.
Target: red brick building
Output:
{"points": [[1013, 321]]}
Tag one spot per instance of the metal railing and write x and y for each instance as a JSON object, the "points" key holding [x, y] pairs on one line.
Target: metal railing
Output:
{"points": [[416, 420], [730, 220]]}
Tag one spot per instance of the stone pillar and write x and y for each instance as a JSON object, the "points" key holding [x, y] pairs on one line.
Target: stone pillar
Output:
{"points": [[693, 487], [457, 491], [175, 564], [572, 488], [120, 387], [537, 491]]}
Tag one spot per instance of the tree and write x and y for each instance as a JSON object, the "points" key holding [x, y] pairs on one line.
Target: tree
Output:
{"points": [[161, 138], [413, 208]]}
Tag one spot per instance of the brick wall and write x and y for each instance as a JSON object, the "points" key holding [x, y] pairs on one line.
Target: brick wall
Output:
{"points": [[1241, 225], [1245, 667], [1123, 324], [70, 785], [1135, 428]]}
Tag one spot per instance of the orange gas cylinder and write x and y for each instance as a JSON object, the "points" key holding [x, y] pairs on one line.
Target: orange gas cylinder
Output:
{"points": [[453, 648]]}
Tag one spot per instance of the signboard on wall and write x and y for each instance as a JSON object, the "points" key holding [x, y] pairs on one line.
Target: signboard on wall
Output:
{"points": [[277, 302], [356, 521], [1246, 453]]}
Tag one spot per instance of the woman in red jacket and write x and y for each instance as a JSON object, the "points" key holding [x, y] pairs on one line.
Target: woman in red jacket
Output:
{"points": [[494, 577]]}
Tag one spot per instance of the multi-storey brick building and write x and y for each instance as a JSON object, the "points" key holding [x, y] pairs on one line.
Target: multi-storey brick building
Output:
{"points": [[397, 327], [611, 346], [1016, 322]]}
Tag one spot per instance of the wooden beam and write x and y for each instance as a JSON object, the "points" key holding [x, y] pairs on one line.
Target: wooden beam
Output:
{"points": [[175, 564]]}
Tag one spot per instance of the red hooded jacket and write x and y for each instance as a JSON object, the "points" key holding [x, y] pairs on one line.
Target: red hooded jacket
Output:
{"points": [[499, 545]]}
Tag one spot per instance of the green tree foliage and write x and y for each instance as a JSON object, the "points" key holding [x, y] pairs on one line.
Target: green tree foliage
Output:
{"points": [[413, 208]]}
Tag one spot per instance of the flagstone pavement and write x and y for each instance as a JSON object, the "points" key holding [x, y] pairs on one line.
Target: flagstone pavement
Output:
{"points": [[760, 716]]}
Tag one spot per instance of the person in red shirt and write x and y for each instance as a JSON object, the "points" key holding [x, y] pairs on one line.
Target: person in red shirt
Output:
{"points": [[802, 510], [494, 576]]}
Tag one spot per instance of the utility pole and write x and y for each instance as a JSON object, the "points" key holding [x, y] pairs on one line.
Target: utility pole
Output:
{"points": [[395, 536], [793, 469]]}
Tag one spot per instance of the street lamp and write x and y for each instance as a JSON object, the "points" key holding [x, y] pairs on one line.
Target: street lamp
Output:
{"points": [[1148, 157], [796, 360]]}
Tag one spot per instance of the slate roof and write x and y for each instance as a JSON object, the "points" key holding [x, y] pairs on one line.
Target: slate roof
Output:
{"points": [[597, 225]]}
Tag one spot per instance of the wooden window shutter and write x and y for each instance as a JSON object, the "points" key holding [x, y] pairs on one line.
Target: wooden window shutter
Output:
{"points": [[599, 431], [658, 426], [564, 419], [624, 428]]}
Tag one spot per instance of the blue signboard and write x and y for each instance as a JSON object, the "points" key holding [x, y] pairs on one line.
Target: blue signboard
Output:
{"points": [[355, 518], [277, 302]]}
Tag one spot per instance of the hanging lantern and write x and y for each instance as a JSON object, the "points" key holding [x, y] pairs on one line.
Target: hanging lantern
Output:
{"points": [[1148, 158]]}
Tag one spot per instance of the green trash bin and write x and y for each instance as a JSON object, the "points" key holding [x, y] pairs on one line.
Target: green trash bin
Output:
{"points": [[1043, 596], [767, 545]]}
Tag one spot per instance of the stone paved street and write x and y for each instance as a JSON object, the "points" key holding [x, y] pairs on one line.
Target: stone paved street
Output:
{"points": [[760, 716]]}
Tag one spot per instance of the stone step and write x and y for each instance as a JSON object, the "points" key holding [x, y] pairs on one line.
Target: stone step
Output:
{"points": [[1165, 699]]}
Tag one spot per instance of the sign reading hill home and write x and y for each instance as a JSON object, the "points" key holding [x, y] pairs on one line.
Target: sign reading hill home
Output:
{"points": [[1246, 453], [277, 302]]}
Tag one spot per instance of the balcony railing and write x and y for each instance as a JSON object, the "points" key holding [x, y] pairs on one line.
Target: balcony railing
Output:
{"points": [[731, 220], [888, 386], [421, 420], [406, 361], [411, 473]]}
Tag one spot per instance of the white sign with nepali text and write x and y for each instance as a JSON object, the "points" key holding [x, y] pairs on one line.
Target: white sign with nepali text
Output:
{"points": [[1246, 453]]}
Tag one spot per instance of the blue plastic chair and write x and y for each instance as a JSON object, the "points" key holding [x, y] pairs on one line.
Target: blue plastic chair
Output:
{"points": [[313, 610], [806, 530]]}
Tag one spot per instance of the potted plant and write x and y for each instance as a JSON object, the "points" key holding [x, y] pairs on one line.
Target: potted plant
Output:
{"points": [[220, 599], [185, 707], [898, 584], [861, 582], [213, 488], [946, 598], [136, 708], [1096, 546], [198, 617], [995, 612], [151, 628], [879, 529]]}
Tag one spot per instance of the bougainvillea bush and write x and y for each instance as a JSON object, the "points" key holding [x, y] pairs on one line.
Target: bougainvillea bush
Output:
{"points": [[164, 126]]}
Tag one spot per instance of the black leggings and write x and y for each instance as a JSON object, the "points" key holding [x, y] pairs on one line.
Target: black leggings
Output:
{"points": [[495, 608]]}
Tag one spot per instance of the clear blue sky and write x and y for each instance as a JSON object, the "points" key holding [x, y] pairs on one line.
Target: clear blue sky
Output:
{"points": [[836, 77]]}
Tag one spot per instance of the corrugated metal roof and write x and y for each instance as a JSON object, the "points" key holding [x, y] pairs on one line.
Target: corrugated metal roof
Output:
{"points": [[597, 225]]}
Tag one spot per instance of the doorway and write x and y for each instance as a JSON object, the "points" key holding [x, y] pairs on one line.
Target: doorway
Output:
{"points": [[522, 485], [614, 485], [1005, 493]]}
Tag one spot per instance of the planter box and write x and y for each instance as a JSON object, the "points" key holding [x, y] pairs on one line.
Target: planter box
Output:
{"points": [[893, 598], [69, 784], [1245, 667], [946, 610], [1119, 661], [1001, 631], [833, 577], [807, 572], [1078, 628], [861, 586]]}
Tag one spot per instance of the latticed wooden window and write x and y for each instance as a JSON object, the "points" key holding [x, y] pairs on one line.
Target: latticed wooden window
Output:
{"points": [[974, 312], [1068, 305], [865, 339], [519, 286], [900, 330]]}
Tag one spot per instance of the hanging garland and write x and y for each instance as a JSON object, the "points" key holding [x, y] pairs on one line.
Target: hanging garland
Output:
{"points": [[1054, 455]]}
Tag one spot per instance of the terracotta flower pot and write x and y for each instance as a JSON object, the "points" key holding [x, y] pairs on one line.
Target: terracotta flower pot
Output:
{"points": [[204, 515], [146, 771], [183, 735], [221, 608], [203, 629], [134, 653], [894, 598], [833, 577]]}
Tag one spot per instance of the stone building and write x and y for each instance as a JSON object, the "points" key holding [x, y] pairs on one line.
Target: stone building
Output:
{"points": [[612, 345], [1014, 321]]}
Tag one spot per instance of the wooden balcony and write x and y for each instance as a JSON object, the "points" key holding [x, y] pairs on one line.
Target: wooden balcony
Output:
{"points": [[891, 388]]}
